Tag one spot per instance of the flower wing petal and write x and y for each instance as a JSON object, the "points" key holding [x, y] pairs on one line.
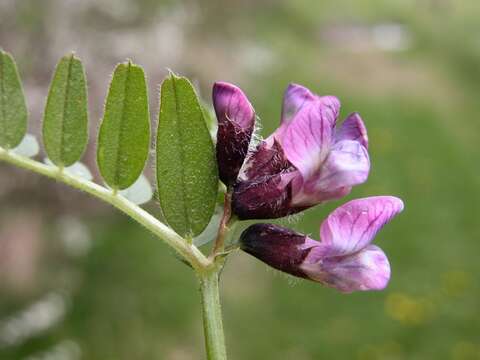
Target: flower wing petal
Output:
{"points": [[367, 269], [353, 128], [346, 165]]}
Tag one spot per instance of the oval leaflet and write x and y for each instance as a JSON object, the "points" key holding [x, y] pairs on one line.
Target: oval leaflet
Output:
{"points": [[124, 137], [65, 122], [13, 108], [187, 175]]}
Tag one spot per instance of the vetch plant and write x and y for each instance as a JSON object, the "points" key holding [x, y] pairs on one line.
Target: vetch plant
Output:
{"points": [[308, 160]]}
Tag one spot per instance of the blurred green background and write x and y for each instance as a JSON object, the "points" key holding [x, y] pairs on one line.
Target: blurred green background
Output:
{"points": [[80, 281]]}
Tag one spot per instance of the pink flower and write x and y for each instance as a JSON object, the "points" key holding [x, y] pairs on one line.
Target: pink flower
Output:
{"points": [[305, 162], [344, 258]]}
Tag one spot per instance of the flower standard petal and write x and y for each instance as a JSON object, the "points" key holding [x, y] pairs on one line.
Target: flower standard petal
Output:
{"points": [[332, 103], [236, 119], [295, 97], [308, 138]]}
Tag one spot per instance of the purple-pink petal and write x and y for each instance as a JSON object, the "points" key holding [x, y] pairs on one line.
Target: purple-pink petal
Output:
{"points": [[346, 165], [352, 226], [353, 128], [367, 269], [307, 139], [232, 104], [332, 103], [307, 196], [295, 97]]}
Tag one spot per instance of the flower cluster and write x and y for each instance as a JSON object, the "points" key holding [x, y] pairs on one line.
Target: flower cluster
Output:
{"points": [[307, 161]]}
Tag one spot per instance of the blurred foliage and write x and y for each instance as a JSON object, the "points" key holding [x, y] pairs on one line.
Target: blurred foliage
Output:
{"points": [[411, 68]]}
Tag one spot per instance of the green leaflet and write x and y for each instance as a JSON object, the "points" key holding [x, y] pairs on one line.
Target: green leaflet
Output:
{"points": [[13, 109], [65, 122], [187, 173], [124, 137]]}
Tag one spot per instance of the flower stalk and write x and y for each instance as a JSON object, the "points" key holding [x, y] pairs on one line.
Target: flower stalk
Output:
{"points": [[223, 229]]}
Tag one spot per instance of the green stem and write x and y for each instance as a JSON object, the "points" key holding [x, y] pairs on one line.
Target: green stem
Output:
{"points": [[188, 251], [212, 316]]}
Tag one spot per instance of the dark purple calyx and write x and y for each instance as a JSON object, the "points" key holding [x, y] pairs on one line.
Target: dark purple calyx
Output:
{"points": [[232, 148], [236, 120], [266, 161], [262, 198], [264, 190], [281, 248]]}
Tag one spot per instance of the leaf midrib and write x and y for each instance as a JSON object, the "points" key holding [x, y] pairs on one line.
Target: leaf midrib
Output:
{"points": [[61, 152], [182, 156], [120, 136]]}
